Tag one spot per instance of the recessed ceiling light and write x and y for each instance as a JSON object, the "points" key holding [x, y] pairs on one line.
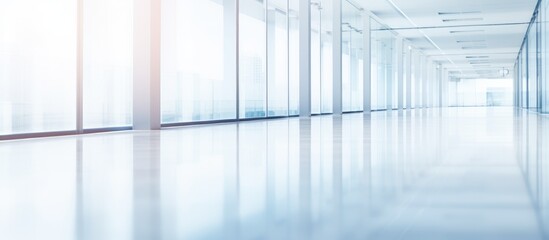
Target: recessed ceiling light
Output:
{"points": [[459, 13], [486, 65], [473, 47], [470, 41], [467, 31], [462, 19], [475, 57], [478, 60]]}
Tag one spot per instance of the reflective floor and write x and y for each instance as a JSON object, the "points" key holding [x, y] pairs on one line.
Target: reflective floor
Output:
{"points": [[457, 173]]}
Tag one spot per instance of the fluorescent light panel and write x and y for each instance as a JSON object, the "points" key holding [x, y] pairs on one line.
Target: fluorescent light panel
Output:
{"points": [[462, 19], [467, 31], [459, 13], [473, 47], [476, 57], [470, 41], [485, 65]]}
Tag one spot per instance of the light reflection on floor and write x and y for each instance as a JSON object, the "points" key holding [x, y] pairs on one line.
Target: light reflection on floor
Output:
{"points": [[457, 173]]}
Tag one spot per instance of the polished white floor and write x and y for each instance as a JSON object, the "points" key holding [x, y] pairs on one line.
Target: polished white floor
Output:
{"points": [[456, 173]]}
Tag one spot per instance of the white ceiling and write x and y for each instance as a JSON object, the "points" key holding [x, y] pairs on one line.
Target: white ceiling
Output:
{"points": [[499, 27]]}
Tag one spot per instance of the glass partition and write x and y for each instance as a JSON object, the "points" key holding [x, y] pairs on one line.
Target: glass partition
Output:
{"points": [[481, 92], [532, 68], [531, 65], [544, 58], [524, 77]]}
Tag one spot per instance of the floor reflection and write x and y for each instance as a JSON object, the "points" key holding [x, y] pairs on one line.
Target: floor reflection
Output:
{"points": [[458, 173]]}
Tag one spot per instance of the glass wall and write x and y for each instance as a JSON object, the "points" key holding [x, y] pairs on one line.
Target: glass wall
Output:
{"points": [[524, 77], [382, 55], [37, 66], [108, 61], [352, 58], [531, 65], [544, 57], [194, 87], [39, 57], [193, 84], [481, 93]]}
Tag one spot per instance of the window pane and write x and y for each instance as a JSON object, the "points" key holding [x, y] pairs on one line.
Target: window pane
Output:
{"points": [[294, 57], [108, 63], [352, 41], [321, 57], [37, 66], [277, 42], [193, 83], [252, 59], [532, 68], [544, 59], [524, 73], [382, 65]]}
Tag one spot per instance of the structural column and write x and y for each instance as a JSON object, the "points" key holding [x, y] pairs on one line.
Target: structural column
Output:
{"points": [[445, 82], [400, 71], [428, 93], [419, 75], [367, 66], [337, 59], [434, 86], [146, 59], [230, 47], [390, 78], [409, 77], [424, 81], [304, 58], [430, 83], [441, 83]]}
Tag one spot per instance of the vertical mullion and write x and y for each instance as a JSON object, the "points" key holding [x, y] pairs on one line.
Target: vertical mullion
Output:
{"points": [[237, 65], [288, 56], [320, 58], [80, 67], [266, 13]]}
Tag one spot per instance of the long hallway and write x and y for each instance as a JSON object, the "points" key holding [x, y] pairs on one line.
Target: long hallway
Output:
{"points": [[448, 173]]}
